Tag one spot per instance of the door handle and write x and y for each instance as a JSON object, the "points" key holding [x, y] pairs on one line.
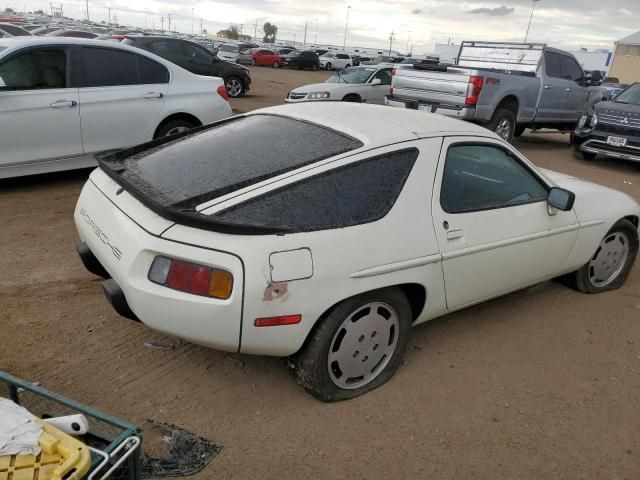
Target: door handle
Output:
{"points": [[453, 234], [547, 87], [153, 95], [63, 104]]}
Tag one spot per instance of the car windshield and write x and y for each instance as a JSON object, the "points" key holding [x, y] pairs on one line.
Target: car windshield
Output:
{"points": [[630, 95], [229, 48], [293, 54], [327, 54], [214, 161], [352, 75]]}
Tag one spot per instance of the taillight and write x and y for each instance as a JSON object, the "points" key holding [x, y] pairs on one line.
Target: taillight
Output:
{"points": [[191, 278], [393, 71], [390, 89], [222, 91], [474, 89]]}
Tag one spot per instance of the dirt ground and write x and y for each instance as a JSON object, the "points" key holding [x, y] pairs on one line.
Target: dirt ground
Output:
{"points": [[540, 384]]}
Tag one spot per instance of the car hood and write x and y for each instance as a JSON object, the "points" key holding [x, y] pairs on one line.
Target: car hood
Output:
{"points": [[323, 87], [618, 108]]}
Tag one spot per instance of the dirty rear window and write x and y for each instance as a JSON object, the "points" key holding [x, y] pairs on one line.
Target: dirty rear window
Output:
{"points": [[215, 161]]}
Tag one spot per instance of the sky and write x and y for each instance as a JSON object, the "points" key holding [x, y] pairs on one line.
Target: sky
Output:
{"points": [[569, 24]]}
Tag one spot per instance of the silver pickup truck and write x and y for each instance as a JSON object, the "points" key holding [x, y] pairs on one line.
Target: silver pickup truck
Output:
{"points": [[506, 87]]}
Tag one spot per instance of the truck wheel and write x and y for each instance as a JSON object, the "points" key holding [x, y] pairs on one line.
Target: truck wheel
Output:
{"points": [[503, 124], [314, 67], [357, 346]]}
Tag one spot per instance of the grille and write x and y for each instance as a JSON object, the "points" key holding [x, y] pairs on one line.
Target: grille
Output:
{"points": [[297, 96], [619, 120]]}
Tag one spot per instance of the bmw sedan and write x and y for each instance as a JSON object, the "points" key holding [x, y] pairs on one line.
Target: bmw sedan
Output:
{"points": [[329, 247]]}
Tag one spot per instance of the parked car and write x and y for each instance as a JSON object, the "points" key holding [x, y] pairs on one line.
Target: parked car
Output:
{"points": [[72, 33], [13, 30], [354, 84], [285, 51], [44, 30], [246, 56], [505, 87], [266, 58], [321, 51], [358, 59], [83, 97], [335, 61], [611, 128], [228, 52], [396, 217], [304, 59], [197, 59], [383, 59]]}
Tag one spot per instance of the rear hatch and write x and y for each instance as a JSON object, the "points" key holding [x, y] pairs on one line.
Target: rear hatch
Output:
{"points": [[448, 85]]}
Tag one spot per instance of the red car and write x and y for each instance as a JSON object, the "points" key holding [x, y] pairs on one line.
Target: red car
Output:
{"points": [[264, 57]]}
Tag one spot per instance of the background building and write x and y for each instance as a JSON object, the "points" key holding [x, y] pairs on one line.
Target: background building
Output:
{"points": [[626, 59]]}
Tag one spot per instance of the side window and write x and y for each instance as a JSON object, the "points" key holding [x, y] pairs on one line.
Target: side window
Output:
{"points": [[572, 70], [483, 177], [35, 69], [384, 76], [196, 53], [342, 56], [152, 72], [553, 64], [105, 67], [359, 193], [163, 47]]}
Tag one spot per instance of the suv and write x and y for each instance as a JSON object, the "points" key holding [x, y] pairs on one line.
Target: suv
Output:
{"points": [[335, 61], [306, 59], [196, 59]]}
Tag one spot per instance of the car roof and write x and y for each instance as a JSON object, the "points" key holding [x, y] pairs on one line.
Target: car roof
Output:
{"points": [[376, 125]]}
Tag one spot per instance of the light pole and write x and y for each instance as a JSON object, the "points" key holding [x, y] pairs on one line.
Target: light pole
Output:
{"points": [[191, 20], [346, 25], [408, 40], [315, 40], [533, 8]]}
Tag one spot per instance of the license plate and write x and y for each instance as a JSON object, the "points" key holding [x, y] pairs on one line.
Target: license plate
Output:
{"points": [[425, 107], [617, 141]]}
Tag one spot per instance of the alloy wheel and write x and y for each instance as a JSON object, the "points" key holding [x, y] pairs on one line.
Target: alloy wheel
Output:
{"points": [[609, 259], [234, 87]]}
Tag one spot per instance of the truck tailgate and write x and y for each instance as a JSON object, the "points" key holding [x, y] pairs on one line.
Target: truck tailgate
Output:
{"points": [[448, 87]]}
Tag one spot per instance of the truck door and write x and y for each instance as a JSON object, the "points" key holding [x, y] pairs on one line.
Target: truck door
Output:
{"points": [[551, 107], [577, 93]]}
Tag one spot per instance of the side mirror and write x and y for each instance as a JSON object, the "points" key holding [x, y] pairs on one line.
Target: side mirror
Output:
{"points": [[561, 199], [376, 81]]}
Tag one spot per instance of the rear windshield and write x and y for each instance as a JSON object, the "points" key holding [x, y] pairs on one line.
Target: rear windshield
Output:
{"points": [[217, 160], [13, 30]]}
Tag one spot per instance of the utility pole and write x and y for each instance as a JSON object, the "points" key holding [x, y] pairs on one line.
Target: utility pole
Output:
{"points": [[533, 8], [145, 18], [255, 31], [191, 20], [87, 6], [61, 12], [109, 10], [391, 39], [344, 42], [169, 20], [294, 39], [305, 33], [162, 23], [315, 40], [201, 29]]}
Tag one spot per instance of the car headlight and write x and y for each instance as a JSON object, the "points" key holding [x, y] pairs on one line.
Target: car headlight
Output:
{"points": [[582, 121], [318, 95], [588, 121], [594, 120]]}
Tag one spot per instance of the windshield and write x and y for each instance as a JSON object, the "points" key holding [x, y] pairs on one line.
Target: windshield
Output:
{"points": [[224, 158], [229, 48], [327, 54], [630, 95], [293, 54], [352, 75]]}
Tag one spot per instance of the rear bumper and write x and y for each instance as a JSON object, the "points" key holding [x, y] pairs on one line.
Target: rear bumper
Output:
{"points": [[595, 142], [450, 110]]}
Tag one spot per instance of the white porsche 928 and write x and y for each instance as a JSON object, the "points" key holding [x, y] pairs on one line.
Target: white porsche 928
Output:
{"points": [[330, 244]]}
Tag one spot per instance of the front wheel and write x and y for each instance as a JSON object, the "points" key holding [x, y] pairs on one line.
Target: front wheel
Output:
{"points": [[235, 87], [357, 347], [503, 124], [328, 66], [173, 127], [611, 263], [314, 67], [253, 62]]}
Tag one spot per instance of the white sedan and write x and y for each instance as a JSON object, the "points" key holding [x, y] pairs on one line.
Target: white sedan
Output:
{"points": [[332, 245], [63, 100], [355, 84]]}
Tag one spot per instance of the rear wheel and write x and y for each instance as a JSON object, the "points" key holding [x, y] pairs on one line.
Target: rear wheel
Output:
{"points": [[347, 66], [352, 98], [314, 67], [234, 86], [328, 66], [609, 266], [253, 61], [173, 127], [357, 347], [503, 124]]}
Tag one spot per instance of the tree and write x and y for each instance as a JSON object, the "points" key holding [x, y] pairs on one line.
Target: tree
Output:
{"points": [[270, 32], [232, 32], [39, 12], [9, 10]]}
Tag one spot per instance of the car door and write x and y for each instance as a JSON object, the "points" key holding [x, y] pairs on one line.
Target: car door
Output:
{"points": [[576, 93], [39, 114], [494, 227], [121, 97], [170, 50], [376, 91], [198, 58], [555, 87]]}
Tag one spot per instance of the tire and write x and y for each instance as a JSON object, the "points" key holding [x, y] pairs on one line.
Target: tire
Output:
{"points": [[253, 62], [275, 65], [234, 86], [328, 66], [614, 257], [519, 131], [580, 155], [503, 124], [352, 98], [347, 66], [173, 127], [319, 368], [314, 67]]}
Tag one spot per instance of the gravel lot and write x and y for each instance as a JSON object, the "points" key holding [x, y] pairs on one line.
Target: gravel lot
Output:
{"points": [[540, 384]]}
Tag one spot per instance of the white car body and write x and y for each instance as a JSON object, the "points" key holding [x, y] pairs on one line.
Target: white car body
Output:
{"points": [[481, 255], [335, 61], [231, 56], [50, 129], [373, 90]]}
